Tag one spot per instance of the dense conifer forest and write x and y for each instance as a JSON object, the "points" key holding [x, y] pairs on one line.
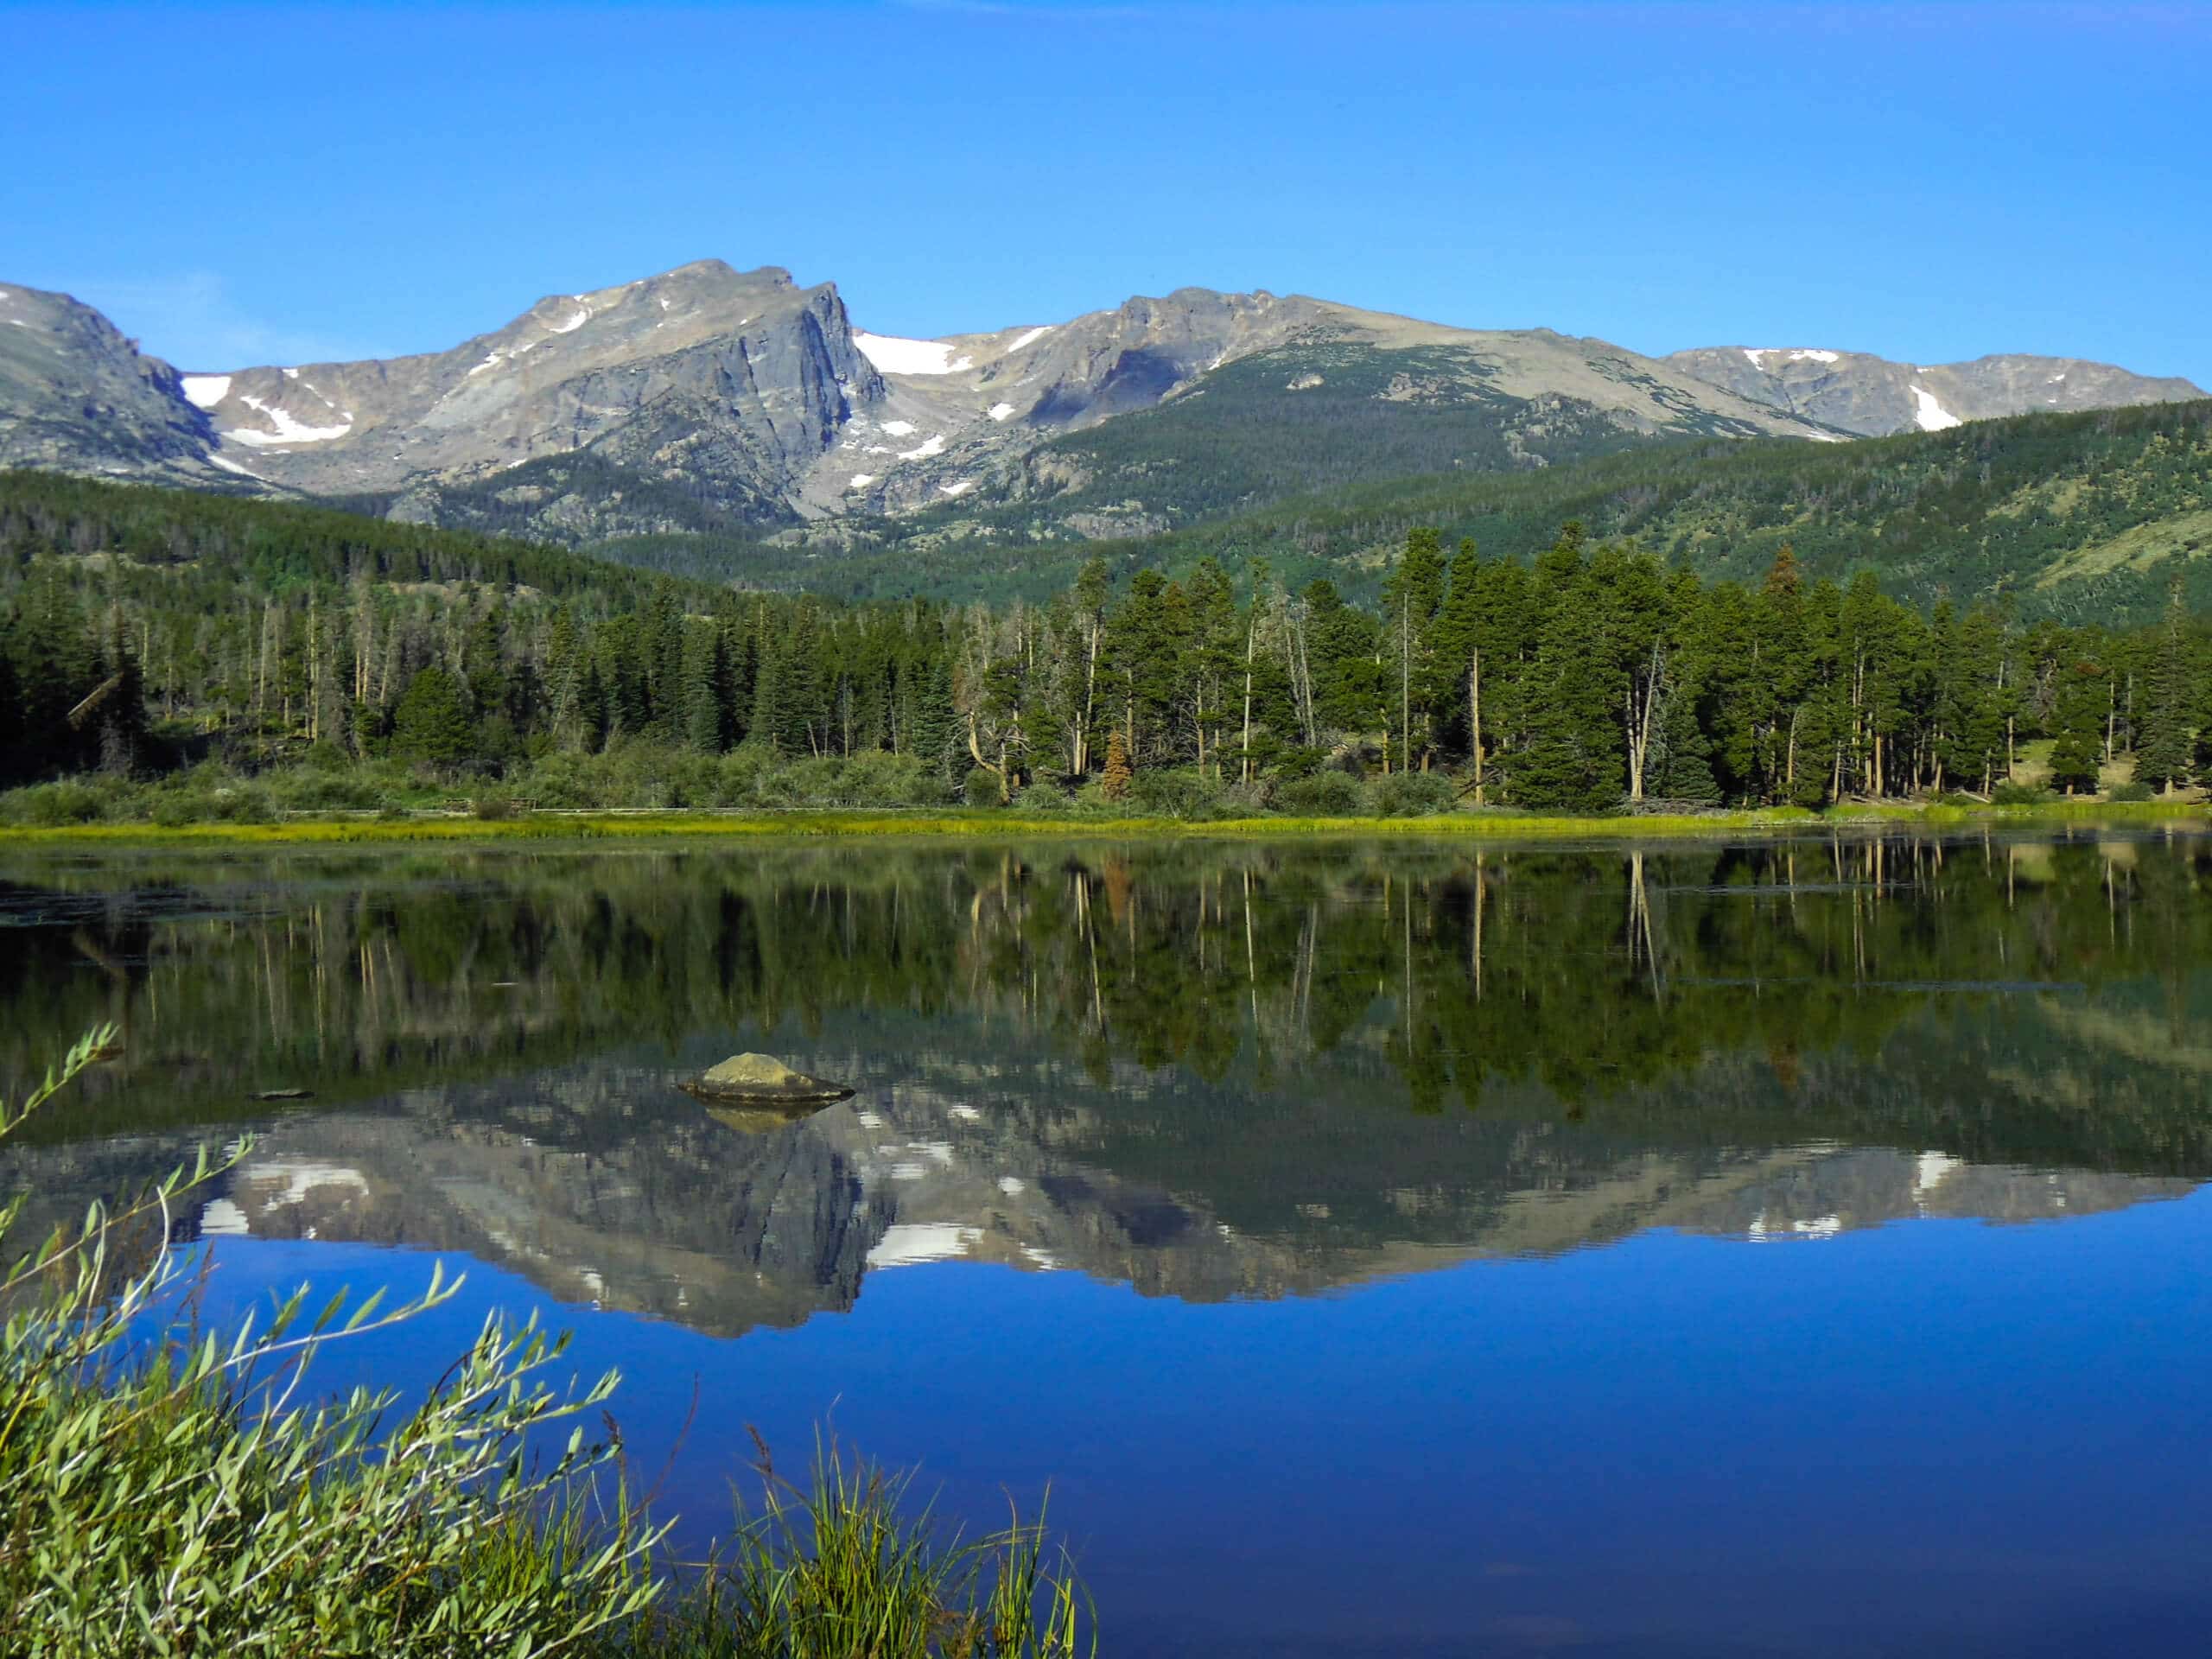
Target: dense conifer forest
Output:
{"points": [[181, 654], [2078, 517]]}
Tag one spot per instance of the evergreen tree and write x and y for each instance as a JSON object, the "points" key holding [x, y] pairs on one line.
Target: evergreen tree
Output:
{"points": [[118, 724], [2078, 727], [1575, 757], [935, 721], [1682, 768], [707, 690], [2166, 755], [432, 722], [1114, 782]]}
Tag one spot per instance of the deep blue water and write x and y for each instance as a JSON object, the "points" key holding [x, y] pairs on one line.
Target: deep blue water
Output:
{"points": [[1784, 1267]]}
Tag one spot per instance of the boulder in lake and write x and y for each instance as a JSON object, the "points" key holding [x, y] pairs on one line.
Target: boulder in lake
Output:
{"points": [[763, 1080]]}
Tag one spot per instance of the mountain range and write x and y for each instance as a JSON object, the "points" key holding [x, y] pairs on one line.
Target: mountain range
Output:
{"points": [[708, 399]]}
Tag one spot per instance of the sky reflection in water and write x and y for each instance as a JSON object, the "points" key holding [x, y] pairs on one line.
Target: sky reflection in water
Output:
{"points": [[1330, 1361]]}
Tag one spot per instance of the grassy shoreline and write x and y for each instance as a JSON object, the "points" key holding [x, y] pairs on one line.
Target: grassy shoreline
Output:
{"points": [[863, 824]]}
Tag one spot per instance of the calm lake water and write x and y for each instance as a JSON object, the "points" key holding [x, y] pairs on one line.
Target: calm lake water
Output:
{"points": [[1795, 1249]]}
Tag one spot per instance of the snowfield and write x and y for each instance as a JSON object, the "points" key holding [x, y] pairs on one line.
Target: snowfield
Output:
{"points": [[892, 355]]}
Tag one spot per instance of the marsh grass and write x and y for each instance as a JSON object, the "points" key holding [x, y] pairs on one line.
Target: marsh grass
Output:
{"points": [[167, 1490], [1494, 823]]}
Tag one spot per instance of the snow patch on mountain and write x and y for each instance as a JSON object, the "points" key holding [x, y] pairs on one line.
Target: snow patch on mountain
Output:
{"points": [[906, 1243], [1001, 411], [892, 355], [1032, 337], [1793, 355], [1931, 416], [205, 391], [289, 428]]}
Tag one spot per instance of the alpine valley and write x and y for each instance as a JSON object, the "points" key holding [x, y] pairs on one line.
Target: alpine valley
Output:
{"points": [[740, 426]]}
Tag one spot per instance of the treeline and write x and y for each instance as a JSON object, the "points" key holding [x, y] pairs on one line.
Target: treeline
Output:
{"points": [[1634, 984], [2081, 517], [146, 632]]}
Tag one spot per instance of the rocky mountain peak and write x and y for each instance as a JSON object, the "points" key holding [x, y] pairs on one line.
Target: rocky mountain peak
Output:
{"points": [[757, 397], [77, 396], [1860, 393]]}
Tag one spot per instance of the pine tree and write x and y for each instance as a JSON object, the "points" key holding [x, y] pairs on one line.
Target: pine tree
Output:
{"points": [[2078, 727], [706, 693], [1411, 600], [1684, 761], [432, 722], [1114, 782], [935, 720], [120, 728], [2165, 753], [1575, 757], [591, 710]]}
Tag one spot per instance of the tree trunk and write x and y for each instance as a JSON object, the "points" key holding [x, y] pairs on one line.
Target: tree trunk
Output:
{"points": [[1475, 716], [1251, 641]]}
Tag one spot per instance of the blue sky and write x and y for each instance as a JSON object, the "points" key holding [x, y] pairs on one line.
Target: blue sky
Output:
{"points": [[261, 184]]}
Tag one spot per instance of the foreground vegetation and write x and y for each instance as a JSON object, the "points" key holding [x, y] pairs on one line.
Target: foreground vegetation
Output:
{"points": [[504, 825], [167, 1490]]}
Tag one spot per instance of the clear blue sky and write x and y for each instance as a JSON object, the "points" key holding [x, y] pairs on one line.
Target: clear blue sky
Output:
{"points": [[1929, 182]]}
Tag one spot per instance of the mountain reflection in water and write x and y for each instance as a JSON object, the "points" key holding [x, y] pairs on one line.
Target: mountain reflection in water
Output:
{"points": [[1208, 1071]]}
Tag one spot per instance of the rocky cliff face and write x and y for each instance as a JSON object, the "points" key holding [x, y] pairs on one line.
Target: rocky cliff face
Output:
{"points": [[969, 414], [710, 397], [603, 1185], [707, 397], [75, 396], [1857, 393], [729, 384]]}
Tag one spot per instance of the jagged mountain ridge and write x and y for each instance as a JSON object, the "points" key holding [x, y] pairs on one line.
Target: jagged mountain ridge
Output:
{"points": [[708, 397], [600, 1184], [1873, 397], [76, 396]]}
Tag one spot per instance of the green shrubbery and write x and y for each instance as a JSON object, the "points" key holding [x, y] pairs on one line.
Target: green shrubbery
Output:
{"points": [[1409, 795], [1322, 795], [188, 1496], [639, 775]]}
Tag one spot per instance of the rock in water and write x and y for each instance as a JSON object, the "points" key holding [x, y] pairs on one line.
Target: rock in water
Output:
{"points": [[766, 1080]]}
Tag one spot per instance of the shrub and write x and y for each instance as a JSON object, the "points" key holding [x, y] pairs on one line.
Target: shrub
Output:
{"points": [[492, 808], [981, 787], [1409, 795], [563, 780], [875, 777], [1175, 793], [316, 790], [1324, 795], [1242, 800], [50, 805], [2132, 790], [161, 1493], [2010, 794]]}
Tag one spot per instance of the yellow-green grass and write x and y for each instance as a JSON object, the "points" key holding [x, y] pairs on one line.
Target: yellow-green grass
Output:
{"points": [[859, 823]]}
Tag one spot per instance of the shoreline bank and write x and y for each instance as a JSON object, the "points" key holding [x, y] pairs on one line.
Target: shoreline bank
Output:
{"points": [[981, 824]]}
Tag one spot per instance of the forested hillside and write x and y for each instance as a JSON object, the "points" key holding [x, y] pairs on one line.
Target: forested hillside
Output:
{"points": [[194, 651], [2079, 517]]}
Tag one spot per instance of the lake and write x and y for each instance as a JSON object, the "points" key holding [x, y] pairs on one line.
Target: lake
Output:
{"points": [[1795, 1247]]}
